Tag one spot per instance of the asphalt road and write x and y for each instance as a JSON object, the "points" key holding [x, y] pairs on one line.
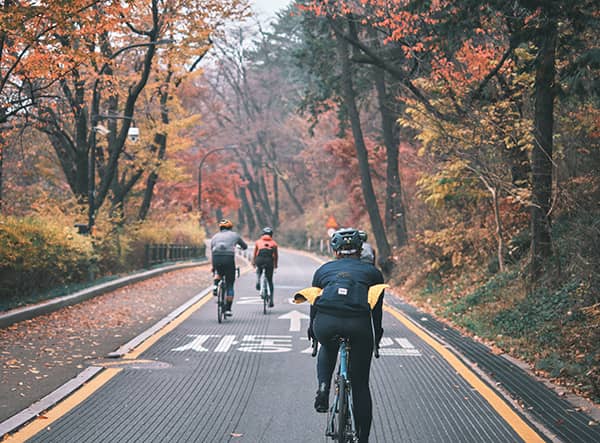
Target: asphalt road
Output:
{"points": [[252, 379]]}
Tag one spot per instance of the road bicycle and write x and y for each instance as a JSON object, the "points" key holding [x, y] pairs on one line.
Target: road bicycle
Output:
{"points": [[221, 293], [265, 290], [341, 424]]}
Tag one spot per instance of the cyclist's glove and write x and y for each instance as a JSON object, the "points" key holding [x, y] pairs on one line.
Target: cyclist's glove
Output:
{"points": [[310, 334]]}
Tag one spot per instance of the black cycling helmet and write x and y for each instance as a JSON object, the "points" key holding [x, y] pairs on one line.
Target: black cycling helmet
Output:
{"points": [[346, 241], [363, 235], [267, 231]]}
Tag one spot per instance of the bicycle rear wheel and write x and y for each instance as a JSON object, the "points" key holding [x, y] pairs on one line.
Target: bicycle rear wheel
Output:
{"points": [[269, 295], [220, 302], [342, 417], [263, 291]]}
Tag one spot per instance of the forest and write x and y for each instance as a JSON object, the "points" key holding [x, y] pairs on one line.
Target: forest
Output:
{"points": [[462, 136]]}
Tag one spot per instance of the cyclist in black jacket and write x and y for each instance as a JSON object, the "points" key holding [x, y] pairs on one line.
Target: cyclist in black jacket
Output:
{"points": [[346, 308]]}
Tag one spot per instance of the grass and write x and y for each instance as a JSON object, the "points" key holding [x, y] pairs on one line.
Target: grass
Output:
{"points": [[555, 327]]}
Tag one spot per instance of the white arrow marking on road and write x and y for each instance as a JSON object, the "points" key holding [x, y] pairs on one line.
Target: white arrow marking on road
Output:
{"points": [[295, 318]]}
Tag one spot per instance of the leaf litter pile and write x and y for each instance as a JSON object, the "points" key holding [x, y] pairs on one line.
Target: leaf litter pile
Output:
{"points": [[41, 354]]}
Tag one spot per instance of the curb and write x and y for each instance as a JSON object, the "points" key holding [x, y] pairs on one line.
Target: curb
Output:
{"points": [[27, 414], [28, 312], [15, 422], [133, 343], [484, 376], [557, 417]]}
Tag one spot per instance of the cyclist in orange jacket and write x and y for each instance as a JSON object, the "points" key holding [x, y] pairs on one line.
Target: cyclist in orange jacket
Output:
{"points": [[265, 257]]}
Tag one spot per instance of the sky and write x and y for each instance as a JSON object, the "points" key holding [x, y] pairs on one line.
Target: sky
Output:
{"points": [[269, 7]]}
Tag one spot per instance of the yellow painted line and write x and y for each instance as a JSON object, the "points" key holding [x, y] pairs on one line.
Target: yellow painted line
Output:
{"points": [[526, 432], [46, 419], [135, 353], [64, 406]]}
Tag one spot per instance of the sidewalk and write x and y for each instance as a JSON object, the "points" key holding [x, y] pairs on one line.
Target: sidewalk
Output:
{"points": [[43, 353]]}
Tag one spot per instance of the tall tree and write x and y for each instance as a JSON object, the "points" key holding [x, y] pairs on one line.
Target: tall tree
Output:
{"points": [[395, 212], [116, 66], [542, 153], [30, 65], [349, 98], [433, 36], [252, 115]]}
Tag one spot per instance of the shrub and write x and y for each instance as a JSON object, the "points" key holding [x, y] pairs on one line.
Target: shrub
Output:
{"points": [[182, 229], [39, 253]]}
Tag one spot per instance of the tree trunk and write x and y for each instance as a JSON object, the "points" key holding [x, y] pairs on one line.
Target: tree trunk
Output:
{"points": [[541, 156], [499, 231], [275, 223], [247, 210], [395, 214], [349, 98], [160, 140], [290, 192], [1, 169]]}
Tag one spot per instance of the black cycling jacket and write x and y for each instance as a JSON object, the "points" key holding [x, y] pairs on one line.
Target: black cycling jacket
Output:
{"points": [[345, 284]]}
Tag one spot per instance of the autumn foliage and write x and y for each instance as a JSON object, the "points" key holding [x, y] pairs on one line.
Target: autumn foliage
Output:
{"points": [[478, 122]]}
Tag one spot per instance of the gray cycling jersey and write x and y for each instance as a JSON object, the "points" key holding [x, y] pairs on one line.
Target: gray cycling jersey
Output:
{"points": [[223, 243], [367, 254]]}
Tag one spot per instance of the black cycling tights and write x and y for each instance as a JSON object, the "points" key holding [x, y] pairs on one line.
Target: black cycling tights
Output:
{"points": [[358, 330], [225, 265], [268, 265]]}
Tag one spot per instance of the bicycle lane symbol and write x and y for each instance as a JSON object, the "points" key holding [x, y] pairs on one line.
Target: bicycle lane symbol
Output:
{"points": [[399, 346]]}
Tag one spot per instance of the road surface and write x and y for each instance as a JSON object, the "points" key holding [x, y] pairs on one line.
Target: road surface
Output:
{"points": [[252, 379]]}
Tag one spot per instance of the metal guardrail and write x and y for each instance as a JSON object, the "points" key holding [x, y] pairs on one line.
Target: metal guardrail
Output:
{"points": [[320, 246], [160, 253]]}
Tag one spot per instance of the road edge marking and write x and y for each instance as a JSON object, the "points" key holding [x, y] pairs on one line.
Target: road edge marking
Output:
{"points": [[63, 407], [91, 385], [180, 318], [524, 430], [146, 344]]}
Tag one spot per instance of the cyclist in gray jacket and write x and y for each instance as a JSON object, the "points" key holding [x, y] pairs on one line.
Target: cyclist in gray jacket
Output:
{"points": [[222, 248]]}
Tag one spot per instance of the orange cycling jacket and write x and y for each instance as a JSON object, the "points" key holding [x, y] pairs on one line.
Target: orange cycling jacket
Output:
{"points": [[266, 244]]}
